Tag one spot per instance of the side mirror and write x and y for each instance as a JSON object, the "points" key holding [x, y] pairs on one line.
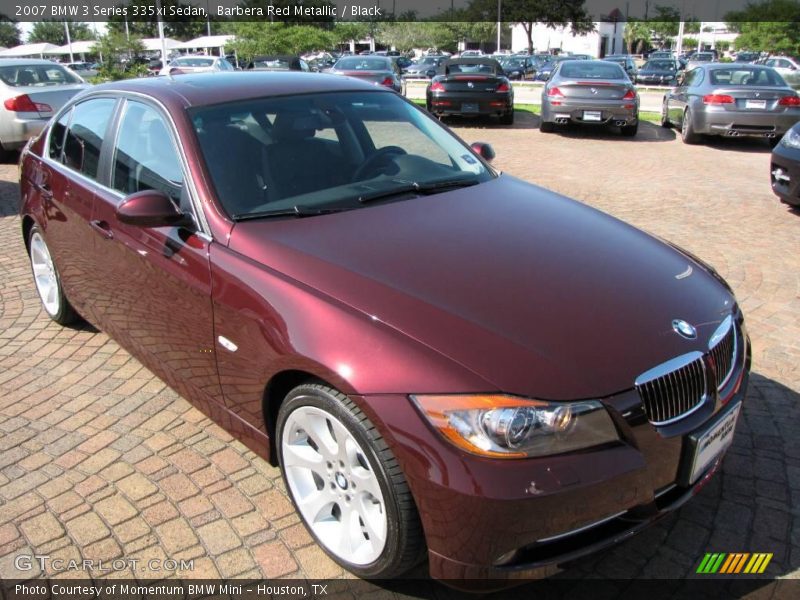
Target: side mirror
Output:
{"points": [[484, 150], [151, 208]]}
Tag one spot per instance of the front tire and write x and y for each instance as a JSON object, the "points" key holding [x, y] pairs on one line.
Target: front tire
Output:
{"points": [[346, 484], [48, 280], [688, 134]]}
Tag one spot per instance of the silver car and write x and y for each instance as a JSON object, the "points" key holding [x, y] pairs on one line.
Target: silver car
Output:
{"points": [[377, 70], [591, 92], [731, 99], [32, 91], [196, 64]]}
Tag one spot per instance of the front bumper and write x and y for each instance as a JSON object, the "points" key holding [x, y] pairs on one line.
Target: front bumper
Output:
{"points": [[525, 519], [655, 80], [740, 123], [785, 174]]}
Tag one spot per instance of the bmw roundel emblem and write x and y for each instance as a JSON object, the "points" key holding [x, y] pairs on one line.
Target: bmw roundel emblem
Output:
{"points": [[684, 329], [470, 84]]}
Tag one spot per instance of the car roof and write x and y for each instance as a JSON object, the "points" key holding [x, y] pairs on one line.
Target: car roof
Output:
{"points": [[15, 62], [204, 89]]}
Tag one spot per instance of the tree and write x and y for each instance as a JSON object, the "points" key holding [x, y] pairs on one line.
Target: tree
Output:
{"points": [[556, 13], [253, 38], [9, 34], [183, 27], [769, 26], [636, 35], [52, 32], [120, 55]]}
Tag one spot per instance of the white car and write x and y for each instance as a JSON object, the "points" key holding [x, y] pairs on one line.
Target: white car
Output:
{"points": [[196, 64], [787, 67], [31, 91], [471, 54]]}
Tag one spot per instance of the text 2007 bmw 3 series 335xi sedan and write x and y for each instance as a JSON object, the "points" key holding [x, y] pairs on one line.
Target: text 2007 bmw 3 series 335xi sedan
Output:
{"points": [[444, 361]]}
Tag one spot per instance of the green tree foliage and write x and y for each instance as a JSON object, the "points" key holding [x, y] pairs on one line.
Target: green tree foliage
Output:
{"points": [[556, 13], [184, 27], [444, 35], [253, 38], [9, 34], [52, 32], [636, 36], [122, 57], [770, 26]]}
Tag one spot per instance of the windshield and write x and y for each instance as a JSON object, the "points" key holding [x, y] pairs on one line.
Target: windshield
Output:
{"points": [[512, 63], [192, 62], [471, 69], [592, 70], [363, 64], [36, 75], [659, 65], [324, 152], [703, 57], [272, 63], [746, 76]]}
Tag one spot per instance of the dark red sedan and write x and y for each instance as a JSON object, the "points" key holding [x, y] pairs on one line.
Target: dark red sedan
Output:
{"points": [[444, 361]]}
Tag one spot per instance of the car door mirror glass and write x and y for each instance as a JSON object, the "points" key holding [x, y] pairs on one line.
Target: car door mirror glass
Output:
{"points": [[484, 150], [151, 208]]}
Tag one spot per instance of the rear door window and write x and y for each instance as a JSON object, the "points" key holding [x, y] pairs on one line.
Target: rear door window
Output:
{"points": [[86, 133]]}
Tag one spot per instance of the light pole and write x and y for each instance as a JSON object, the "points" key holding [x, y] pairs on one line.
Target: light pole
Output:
{"points": [[69, 41], [499, 22], [161, 35]]}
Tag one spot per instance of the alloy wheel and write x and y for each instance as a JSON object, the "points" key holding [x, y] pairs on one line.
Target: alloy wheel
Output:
{"points": [[44, 273], [333, 485]]}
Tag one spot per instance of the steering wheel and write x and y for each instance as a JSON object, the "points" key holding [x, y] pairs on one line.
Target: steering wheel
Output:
{"points": [[382, 154]]}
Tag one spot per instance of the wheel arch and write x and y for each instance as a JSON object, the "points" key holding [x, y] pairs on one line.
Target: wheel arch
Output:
{"points": [[27, 224]]}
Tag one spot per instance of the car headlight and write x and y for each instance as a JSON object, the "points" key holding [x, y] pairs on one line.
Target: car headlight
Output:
{"points": [[791, 139], [500, 426]]}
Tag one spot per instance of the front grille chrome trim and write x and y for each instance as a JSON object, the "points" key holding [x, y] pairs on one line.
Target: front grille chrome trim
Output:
{"points": [[723, 348], [674, 389]]}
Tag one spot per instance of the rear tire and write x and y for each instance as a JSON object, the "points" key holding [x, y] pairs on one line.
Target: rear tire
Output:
{"points": [[48, 280], [546, 126], [629, 130], [688, 134], [774, 141], [508, 118], [346, 484]]}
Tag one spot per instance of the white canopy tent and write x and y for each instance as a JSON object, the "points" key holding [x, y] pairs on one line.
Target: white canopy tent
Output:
{"points": [[207, 42], [77, 48], [154, 44], [30, 50]]}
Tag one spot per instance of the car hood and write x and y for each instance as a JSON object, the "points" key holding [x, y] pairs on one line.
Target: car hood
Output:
{"points": [[656, 72], [538, 294]]}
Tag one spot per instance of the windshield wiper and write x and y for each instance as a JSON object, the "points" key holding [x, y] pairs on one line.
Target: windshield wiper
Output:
{"points": [[418, 188], [294, 211]]}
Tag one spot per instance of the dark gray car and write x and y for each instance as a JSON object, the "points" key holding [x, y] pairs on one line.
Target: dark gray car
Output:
{"points": [[733, 100], [592, 92], [378, 70]]}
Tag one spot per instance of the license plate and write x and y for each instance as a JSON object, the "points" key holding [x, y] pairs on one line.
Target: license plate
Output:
{"points": [[592, 115], [469, 107], [755, 104], [713, 443]]}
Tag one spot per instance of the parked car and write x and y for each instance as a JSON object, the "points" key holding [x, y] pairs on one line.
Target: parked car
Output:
{"points": [[517, 67], [377, 70], [471, 54], [425, 67], [411, 386], [787, 67], [658, 71], [84, 69], [545, 71], [403, 62], [734, 100], [785, 167], [626, 62], [196, 64], [277, 62], [661, 54], [590, 92], [469, 87], [31, 91], [698, 59], [748, 57]]}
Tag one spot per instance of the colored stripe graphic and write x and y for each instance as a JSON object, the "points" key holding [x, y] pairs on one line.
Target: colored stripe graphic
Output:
{"points": [[734, 563]]}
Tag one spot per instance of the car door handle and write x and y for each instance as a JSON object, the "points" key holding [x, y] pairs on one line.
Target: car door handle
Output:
{"points": [[45, 190], [102, 228]]}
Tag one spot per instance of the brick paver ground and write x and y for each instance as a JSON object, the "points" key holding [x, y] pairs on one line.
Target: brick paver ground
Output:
{"points": [[100, 460]]}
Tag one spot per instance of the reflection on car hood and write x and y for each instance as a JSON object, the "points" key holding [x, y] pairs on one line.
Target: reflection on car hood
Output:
{"points": [[536, 293]]}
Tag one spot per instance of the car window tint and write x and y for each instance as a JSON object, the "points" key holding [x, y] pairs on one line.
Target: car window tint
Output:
{"points": [[745, 76], [145, 157], [57, 133], [386, 130], [592, 70], [85, 135]]}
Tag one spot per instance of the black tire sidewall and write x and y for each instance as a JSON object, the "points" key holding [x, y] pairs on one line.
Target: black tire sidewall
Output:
{"points": [[320, 398]]}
